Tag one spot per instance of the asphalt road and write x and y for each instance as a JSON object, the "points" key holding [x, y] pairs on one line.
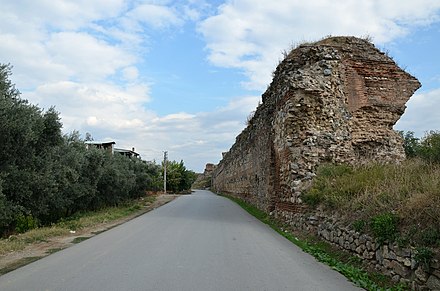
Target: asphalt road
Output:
{"points": [[196, 242]]}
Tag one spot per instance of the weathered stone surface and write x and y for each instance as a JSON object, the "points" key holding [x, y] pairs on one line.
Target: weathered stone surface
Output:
{"points": [[400, 269], [433, 283], [379, 255], [421, 274], [334, 100]]}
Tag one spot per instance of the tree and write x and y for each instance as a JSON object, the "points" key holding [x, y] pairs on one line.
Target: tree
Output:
{"points": [[411, 144], [178, 177], [429, 148], [45, 176]]}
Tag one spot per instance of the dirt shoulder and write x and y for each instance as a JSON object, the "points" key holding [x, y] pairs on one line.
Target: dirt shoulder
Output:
{"points": [[35, 251]]}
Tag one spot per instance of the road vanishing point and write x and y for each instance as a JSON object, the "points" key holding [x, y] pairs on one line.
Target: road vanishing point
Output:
{"points": [[196, 242]]}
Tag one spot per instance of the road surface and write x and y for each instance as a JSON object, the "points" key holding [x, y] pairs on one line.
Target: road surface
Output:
{"points": [[196, 242]]}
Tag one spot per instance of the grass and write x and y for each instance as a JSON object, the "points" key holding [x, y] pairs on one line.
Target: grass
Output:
{"points": [[76, 222], [338, 260], [410, 191], [19, 242]]}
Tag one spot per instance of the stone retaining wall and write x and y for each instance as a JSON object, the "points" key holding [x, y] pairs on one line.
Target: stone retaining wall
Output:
{"points": [[389, 259]]}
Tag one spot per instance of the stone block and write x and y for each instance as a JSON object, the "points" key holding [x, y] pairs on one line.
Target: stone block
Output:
{"points": [[421, 275], [433, 283], [395, 278], [400, 269], [379, 255]]}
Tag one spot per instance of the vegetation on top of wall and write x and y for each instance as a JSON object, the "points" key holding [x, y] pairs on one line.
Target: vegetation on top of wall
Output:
{"points": [[394, 202]]}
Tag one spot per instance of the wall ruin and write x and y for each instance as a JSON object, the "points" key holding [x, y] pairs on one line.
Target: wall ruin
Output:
{"points": [[335, 100]]}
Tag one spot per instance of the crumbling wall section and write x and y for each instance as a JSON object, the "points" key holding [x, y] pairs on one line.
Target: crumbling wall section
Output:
{"points": [[335, 100]]}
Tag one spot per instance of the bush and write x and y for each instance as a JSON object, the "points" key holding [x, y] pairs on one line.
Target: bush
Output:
{"points": [[24, 223], [411, 144], [384, 227], [178, 177], [429, 149], [430, 237], [359, 225], [424, 257]]}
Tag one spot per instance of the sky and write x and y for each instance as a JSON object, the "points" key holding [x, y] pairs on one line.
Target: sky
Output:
{"points": [[183, 76]]}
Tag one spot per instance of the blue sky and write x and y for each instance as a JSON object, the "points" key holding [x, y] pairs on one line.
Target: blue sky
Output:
{"points": [[183, 76]]}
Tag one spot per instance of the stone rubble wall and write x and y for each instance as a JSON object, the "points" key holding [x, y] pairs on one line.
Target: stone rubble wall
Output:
{"points": [[335, 100], [389, 259]]}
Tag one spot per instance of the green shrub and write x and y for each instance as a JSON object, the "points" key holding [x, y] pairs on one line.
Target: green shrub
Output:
{"points": [[24, 223], [411, 144], [424, 256], [359, 225], [384, 227], [313, 197], [429, 148], [430, 237]]}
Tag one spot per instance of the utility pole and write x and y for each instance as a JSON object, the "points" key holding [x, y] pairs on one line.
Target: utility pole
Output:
{"points": [[165, 153]]}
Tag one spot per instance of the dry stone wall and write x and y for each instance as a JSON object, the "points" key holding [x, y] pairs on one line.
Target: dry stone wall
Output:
{"points": [[399, 263], [335, 100]]}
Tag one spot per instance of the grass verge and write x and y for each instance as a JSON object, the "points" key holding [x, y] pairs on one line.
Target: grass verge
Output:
{"points": [[347, 265], [74, 223]]}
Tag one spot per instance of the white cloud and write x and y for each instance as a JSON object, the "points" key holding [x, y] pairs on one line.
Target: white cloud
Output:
{"points": [[250, 34], [158, 16], [422, 113], [59, 15], [130, 73], [85, 56]]}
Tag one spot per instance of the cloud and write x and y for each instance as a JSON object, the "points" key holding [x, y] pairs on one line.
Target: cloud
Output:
{"points": [[421, 115], [86, 57], [157, 16], [251, 34], [130, 73]]}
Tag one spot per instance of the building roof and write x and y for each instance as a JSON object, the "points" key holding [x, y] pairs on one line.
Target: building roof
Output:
{"points": [[99, 142], [124, 151]]}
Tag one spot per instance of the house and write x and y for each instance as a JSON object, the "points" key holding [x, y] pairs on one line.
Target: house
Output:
{"points": [[109, 146], [106, 145], [128, 153]]}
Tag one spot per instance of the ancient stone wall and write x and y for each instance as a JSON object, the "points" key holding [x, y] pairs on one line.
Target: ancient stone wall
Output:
{"points": [[335, 100], [399, 263]]}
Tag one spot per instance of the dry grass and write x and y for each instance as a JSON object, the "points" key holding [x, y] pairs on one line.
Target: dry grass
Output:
{"points": [[19, 242], [410, 190], [76, 222]]}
